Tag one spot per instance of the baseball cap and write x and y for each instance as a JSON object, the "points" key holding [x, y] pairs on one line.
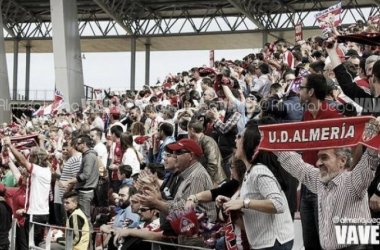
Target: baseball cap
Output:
{"points": [[187, 144], [140, 140], [352, 52]]}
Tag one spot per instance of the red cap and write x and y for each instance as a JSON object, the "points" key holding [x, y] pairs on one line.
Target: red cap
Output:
{"points": [[114, 111], [140, 140], [187, 144], [167, 85]]}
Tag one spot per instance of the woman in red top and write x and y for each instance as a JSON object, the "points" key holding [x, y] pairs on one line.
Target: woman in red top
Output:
{"points": [[18, 205]]}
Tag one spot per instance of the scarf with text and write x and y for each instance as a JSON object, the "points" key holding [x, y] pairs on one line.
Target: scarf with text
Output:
{"points": [[320, 134]]}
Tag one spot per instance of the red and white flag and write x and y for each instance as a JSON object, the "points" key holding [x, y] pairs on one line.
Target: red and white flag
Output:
{"points": [[52, 108], [329, 16]]}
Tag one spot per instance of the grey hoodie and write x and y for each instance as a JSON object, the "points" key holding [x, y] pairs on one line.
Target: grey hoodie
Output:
{"points": [[88, 174]]}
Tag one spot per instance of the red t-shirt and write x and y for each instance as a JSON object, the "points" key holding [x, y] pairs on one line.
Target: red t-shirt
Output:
{"points": [[174, 101], [362, 83], [19, 199], [325, 112], [118, 156], [15, 198]]}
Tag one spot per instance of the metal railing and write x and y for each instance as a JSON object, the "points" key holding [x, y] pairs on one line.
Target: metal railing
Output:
{"points": [[36, 94], [12, 235], [44, 94], [69, 232]]}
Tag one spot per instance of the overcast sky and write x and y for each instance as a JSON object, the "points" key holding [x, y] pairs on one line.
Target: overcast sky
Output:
{"points": [[104, 70], [112, 70]]}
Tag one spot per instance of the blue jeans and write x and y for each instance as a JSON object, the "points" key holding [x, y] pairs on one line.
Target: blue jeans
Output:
{"points": [[277, 246], [309, 219], [220, 244]]}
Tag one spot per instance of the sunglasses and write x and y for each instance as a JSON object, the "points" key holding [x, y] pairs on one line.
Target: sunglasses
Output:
{"points": [[143, 209], [181, 152]]}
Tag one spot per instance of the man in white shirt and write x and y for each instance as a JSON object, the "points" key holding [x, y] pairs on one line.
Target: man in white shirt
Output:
{"points": [[97, 120], [39, 180], [100, 148]]}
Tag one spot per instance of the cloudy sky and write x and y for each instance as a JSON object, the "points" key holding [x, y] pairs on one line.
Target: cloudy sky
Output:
{"points": [[113, 69]]}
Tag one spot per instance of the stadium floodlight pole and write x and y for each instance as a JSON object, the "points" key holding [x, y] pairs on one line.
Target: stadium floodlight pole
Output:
{"points": [[117, 19]]}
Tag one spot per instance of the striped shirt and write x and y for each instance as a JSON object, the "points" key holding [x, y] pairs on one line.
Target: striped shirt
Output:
{"points": [[70, 170], [195, 180], [345, 196], [263, 229]]}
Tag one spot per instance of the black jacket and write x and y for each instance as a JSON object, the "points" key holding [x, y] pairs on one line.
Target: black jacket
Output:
{"points": [[5, 222]]}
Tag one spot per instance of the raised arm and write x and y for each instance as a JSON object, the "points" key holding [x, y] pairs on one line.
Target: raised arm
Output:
{"points": [[16, 173], [303, 172], [228, 93], [362, 174], [349, 87], [17, 154]]}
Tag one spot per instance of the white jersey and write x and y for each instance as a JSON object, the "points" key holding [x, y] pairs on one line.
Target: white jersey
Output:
{"points": [[37, 190], [101, 150]]}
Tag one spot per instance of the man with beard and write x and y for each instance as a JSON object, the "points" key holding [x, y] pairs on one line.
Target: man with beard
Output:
{"points": [[340, 193], [125, 215], [136, 115]]}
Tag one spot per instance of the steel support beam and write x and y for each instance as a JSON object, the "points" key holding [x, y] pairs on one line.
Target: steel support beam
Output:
{"points": [[27, 72], [246, 13], [117, 19], [133, 62], [15, 68], [10, 31], [67, 52], [5, 112], [265, 37], [147, 63]]}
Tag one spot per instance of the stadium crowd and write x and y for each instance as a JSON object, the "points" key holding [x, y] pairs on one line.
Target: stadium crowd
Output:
{"points": [[139, 165]]}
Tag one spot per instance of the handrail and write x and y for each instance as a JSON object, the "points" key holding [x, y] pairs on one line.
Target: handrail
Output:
{"points": [[69, 238], [12, 234]]}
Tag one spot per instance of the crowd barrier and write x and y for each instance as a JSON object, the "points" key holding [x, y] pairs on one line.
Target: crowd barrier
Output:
{"points": [[69, 238], [12, 235]]}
